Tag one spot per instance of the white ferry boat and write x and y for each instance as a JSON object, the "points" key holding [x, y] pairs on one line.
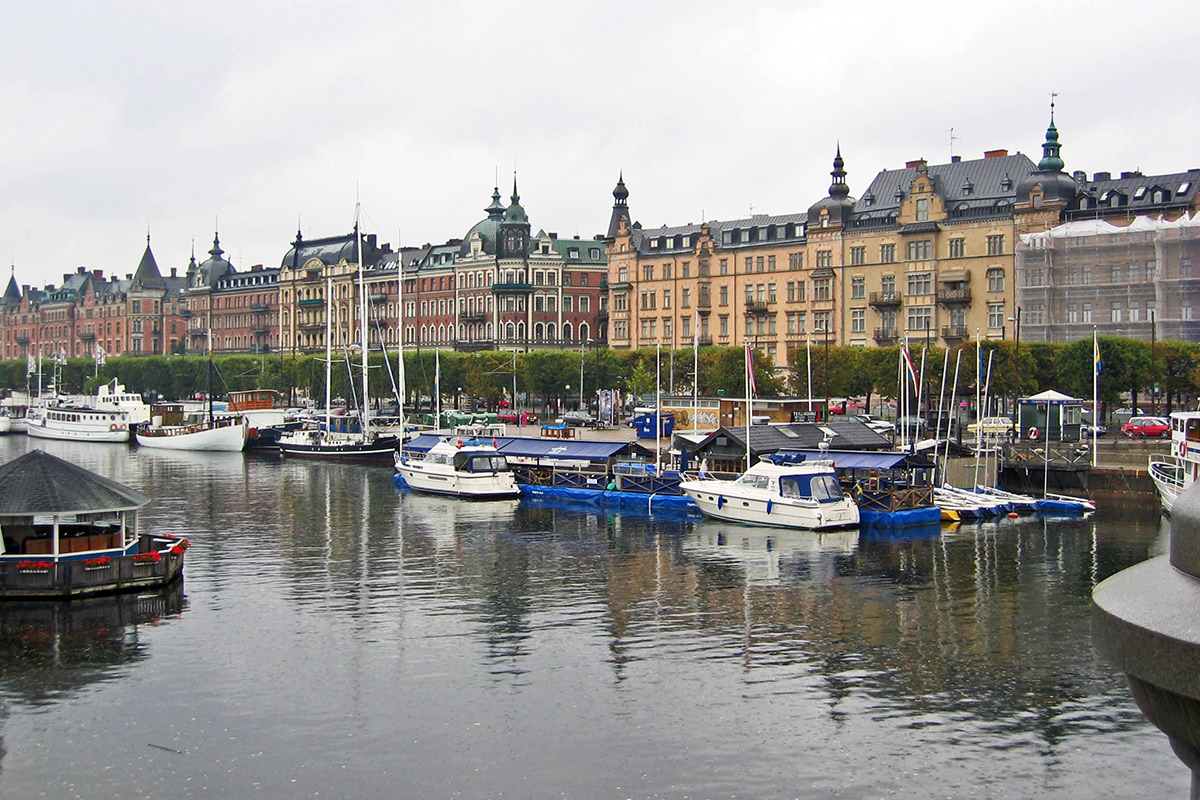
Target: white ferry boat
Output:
{"points": [[1175, 471], [779, 492], [75, 424], [460, 467]]}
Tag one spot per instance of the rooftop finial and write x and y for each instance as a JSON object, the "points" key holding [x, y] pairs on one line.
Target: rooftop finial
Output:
{"points": [[1051, 158]]}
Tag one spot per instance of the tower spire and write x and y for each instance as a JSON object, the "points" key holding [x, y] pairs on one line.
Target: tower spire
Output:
{"points": [[1051, 158]]}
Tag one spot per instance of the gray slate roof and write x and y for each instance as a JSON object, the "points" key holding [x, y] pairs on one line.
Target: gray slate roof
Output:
{"points": [[805, 436], [39, 483]]}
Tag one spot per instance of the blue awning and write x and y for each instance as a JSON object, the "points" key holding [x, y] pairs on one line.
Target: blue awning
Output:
{"points": [[858, 459], [519, 447], [560, 449]]}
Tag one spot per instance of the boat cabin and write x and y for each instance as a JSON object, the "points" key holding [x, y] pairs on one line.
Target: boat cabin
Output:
{"points": [[1049, 417]]}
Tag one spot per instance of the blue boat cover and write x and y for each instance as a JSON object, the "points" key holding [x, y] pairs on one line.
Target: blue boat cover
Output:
{"points": [[517, 446], [860, 459]]}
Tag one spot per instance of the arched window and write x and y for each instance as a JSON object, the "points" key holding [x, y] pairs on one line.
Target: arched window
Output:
{"points": [[510, 331], [583, 332], [551, 331], [566, 331], [538, 332]]}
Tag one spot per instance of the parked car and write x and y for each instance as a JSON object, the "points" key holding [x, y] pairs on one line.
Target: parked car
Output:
{"points": [[991, 427], [578, 419], [912, 426], [523, 418], [1144, 427], [1085, 430]]}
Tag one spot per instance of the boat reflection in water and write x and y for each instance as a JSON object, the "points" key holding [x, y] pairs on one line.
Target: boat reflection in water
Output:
{"points": [[761, 551]]}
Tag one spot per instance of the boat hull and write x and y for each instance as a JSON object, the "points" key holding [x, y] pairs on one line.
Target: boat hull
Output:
{"points": [[724, 501], [475, 485], [322, 446], [48, 429], [221, 438]]}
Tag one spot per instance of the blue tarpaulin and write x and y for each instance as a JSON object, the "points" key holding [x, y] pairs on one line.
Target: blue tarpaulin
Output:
{"points": [[859, 459], [519, 447]]}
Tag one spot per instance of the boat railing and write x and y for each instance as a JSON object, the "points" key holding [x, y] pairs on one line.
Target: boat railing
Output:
{"points": [[1034, 453], [159, 558], [893, 498]]}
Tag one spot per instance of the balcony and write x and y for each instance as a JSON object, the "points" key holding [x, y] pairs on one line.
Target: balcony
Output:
{"points": [[953, 333], [313, 302], [312, 326], [954, 297], [884, 299], [87, 336], [185, 312], [602, 315], [618, 286], [377, 298], [886, 334], [756, 307], [472, 316], [705, 341], [23, 338], [512, 288], [260, 307]]}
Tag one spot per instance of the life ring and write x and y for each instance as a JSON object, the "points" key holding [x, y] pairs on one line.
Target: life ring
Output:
{"points": [[1033, 433], [122, 427], [113, 427], [1183, 448]]}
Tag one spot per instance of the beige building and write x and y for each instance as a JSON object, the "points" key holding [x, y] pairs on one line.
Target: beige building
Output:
{"points": [[926, 253]]}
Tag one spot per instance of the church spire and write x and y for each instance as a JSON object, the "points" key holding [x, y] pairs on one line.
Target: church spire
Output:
{"points": [[620, 210]]}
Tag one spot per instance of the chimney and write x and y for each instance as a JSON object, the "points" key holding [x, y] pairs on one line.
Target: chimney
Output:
{"points": [[81, 271], [128, 276], [995, 153], [1080, 176], [955, 159], [99, 273], [173, 272], [912, 164], [1103, 176]]}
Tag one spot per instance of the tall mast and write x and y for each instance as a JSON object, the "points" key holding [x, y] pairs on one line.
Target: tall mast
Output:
{"points": [[328, 350], [362, 322], [400, 337]]}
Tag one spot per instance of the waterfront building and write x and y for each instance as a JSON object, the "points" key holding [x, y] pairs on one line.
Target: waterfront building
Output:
{"points": [[1113, 255]]}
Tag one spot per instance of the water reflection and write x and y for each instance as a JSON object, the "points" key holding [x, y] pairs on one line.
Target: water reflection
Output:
{"points": [[341, 632]]}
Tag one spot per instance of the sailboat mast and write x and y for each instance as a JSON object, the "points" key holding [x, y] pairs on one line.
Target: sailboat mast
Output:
{"points": [[328, 350], [400, 338], [364, 334]]}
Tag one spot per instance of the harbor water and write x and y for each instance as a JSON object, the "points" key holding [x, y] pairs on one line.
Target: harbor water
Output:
{"points": [[335, 637]]}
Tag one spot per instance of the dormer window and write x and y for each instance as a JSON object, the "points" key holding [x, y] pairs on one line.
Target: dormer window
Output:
{"points": [[899, 195], [868, 200], [967, 187], [1183, 188], [1158, 196], [1007, 183]]}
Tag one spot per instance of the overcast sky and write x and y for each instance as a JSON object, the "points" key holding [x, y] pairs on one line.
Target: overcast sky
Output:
{"points": [[257, 117]]}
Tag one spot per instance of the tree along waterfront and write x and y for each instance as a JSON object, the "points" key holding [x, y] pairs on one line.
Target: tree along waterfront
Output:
{"points": [[1167, 373]]}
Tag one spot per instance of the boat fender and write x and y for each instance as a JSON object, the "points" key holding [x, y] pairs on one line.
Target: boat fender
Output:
{"points": [[720, 501], [768, 506], [495, 443], [113, 427], [1033, 433]]}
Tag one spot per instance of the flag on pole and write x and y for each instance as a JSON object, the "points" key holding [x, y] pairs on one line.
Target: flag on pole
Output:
{"points": [[751, 384], [99, 354], [31, 365], [908, 363], [1096, 353]]}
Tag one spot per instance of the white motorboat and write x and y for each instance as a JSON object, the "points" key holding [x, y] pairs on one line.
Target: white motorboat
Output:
{"points": [[113, 396], [1174, 472], [460, 467], [778, 492], [74, 424]]}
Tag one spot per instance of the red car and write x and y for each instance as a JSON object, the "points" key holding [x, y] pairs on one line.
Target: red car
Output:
{"points": [[1141, 427], [511, 417]]}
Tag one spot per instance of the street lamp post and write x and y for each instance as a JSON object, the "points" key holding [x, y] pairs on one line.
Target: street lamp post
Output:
{"points": [[581, 354]]}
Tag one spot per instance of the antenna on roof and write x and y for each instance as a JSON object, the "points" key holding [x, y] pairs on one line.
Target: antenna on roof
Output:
{"points": [[952, 140], [1053, 95]]}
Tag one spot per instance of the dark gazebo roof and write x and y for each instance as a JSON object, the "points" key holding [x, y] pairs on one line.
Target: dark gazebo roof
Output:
{"points": [[39, 483]]}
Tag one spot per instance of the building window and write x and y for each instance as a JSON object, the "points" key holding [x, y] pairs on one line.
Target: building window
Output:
{"points": [[822, 289], [666, 272], [724, 295], [1072, 314], [724, 266], [667, 327], [1185, 268], [622, 274], [1035, 276], [920, 318], [687, 269], [995, 279], [887, 253], [921, 250], [920, 283], [858, 321], [858, 255], [770, 293], [887, 284], [922, 210], [995, 245], [724, 325], [824, 258], [686, 297], [770, 263], [1087, 313], [958, 248], [821, 323], [1115, 310], [1135, 311], [795, 261], [858, 288], [759, 263], [1085, 276], [749, 263], [666, 299], [995, 315], [1118, 273], [648, 272]]}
